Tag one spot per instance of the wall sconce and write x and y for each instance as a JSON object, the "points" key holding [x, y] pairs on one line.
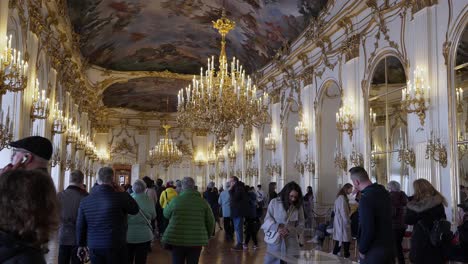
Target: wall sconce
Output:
{"points": [[212, 176], [222, 174], [103, 156], [212, 158], [249, 150], [272, 169], [299, 166], [345, 121], [232, 154], [220, 157], [340, 161], [59, 124], [459, 96], [436, 150], [251, 172], [6, 130], [301, 133], [80, 143], [199, 160], [13, 70], [270, 142], [55, 160], [356, 158], [40, 104], [69, 164], [72, 134], [462, 145], [415, 98], [406, 155]]}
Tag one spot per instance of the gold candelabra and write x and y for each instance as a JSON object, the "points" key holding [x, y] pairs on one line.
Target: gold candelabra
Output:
{"points": [[72, 133], [299, 166], [270, 142], [165, 153], [55, 159], [224, 98], [232, 155], [301, 133], [222, 174], [249, 150], [372, 119], [40, 104], [345, 120], [13, 70], [6, 130], [356, 158], [273, 168], [212, 158], [251, 172], [69, 163], [59, 125], [340, 161], [459, 99], [436, 150], [220, 157], [199, 160], [103, 156], [80, 142], [415, 97], [405, 154]]}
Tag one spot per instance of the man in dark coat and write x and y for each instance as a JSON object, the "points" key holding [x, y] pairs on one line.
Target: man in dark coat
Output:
{"points": [[375, 220], [102, 220], [239, 206], [70, 200]]}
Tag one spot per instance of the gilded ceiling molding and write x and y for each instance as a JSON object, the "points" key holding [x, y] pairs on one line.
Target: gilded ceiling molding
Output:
{"points": [[307, 75], [304, 59]]}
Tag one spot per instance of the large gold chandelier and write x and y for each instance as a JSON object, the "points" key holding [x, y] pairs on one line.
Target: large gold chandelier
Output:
{"points": [[165, 153], [224, 98]]}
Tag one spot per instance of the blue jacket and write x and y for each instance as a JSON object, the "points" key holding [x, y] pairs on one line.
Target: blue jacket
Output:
{"points": [[102, 218], [225, 202]]}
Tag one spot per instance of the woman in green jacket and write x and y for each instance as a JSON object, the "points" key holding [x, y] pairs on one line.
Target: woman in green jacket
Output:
{"points": [[191, 223], [140, 232]]}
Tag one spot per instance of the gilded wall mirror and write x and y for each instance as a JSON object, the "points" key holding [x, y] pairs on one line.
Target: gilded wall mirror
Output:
{"points": [[387, 124]]}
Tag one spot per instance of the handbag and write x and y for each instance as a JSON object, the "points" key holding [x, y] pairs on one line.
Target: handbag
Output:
{"points": [[273, 236]]}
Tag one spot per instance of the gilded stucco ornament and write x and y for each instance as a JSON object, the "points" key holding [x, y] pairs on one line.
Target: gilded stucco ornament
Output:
{"points": [[351, 47], [307, 75]]}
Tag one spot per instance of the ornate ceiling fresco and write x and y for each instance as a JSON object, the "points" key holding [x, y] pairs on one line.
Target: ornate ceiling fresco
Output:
{"points": [[156, 35], [144, 94]]}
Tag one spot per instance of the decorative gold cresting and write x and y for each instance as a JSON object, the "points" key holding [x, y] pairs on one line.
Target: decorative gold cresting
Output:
{"points": [[223, 25]]}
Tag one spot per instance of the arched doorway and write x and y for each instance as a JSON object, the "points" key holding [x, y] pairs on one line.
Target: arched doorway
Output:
{"points": [[387, 123], [330, 101]]}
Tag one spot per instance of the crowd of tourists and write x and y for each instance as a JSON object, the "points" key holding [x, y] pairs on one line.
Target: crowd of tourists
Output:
{"points": [[118, 224]]}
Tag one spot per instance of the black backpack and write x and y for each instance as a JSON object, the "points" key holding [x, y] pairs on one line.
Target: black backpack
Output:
{"points": [[439, 233]]}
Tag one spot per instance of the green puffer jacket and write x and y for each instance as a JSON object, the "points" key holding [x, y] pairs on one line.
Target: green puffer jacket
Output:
{"points": [[191, 221], [138, 229]]}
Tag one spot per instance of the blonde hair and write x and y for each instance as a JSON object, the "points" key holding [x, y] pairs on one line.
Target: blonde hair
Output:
{"points": [[423, 188]]}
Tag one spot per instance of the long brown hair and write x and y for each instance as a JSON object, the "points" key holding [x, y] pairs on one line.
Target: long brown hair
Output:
{"points": [[343, 189], [29, 206], [423, 189]]}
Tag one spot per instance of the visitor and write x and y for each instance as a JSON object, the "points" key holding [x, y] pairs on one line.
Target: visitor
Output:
{"points": [[458, 250], [140, 230], [375, 235], [159, 211], [252, 222], [285, 214], [399, 201], [342, 221], [191, 224], [225, 201], [30, 153], [166, 196], [211, 196], [178, 185], [260, 201], [29, 215], [272, 191], [426, 206], [69, 201], [239, 203], [102, 221], [152, 194], [309, 207]]}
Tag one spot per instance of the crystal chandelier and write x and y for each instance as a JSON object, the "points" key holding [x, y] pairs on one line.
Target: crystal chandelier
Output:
{"points": [[165, 153], [249, 150], [224, 98], [270, 142], [13, 70]]}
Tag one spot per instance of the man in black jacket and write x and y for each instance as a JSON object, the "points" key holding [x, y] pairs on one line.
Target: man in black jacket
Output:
{"points": [[239, 206], [102, 220], [375, 220]]}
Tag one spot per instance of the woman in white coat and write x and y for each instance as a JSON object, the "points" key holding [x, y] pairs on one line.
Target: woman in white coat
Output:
{"points": [[342, 221], [286, 216]]}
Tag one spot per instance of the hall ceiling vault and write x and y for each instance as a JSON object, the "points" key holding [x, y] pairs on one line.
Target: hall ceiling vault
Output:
{"points": [[142, 52]]}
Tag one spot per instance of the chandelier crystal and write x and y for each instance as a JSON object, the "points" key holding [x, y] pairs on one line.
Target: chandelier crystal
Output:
{"points": [[165, 153], [224, 98]]}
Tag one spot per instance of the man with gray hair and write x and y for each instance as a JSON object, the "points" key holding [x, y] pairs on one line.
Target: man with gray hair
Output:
{"points": [[191, 224], [69, 200], [102, 221], [399, 201], [225, 201]]}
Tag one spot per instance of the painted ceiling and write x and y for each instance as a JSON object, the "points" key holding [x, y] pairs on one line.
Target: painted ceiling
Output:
{"points": [[145, 94], [177, 35]]}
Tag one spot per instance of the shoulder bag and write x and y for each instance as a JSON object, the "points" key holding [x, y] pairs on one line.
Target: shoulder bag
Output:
{"points": [[273, 236]]}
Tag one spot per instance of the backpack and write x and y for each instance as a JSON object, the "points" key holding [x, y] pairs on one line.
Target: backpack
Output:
{"points": [[439, 233]]}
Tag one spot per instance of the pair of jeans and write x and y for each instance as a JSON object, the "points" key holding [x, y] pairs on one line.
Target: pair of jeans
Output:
{"points": [[238, 227], [138, 252], [228, 228], [108, 255], [338, 248], [399, 233], [183, 255], [251, 229], [67, 255]]}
